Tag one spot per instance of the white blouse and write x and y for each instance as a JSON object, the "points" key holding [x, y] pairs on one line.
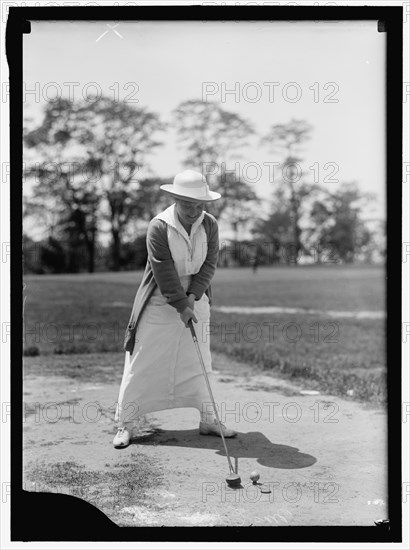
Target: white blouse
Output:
{"points": [[188, 251]]}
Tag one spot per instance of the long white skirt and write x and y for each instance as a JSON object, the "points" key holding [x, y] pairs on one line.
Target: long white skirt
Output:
{"points": [[164, 371]]}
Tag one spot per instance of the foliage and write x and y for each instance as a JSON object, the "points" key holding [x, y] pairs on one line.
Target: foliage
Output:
{"points": [[209, 134], [88, 165], [90, 158], [337, 223], [288, 140]]}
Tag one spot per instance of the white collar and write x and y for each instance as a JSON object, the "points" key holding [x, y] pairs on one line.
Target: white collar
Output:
{"points": [[170, 217]]}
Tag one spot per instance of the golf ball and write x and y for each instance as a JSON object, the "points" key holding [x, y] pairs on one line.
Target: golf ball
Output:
{"points": [[254, 476]]}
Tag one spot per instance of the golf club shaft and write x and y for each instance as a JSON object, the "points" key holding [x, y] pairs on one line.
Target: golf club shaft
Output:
{"points": [[191, 326]]}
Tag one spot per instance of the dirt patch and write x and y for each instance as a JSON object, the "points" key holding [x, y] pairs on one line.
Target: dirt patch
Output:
{"points": [[323, 457]]}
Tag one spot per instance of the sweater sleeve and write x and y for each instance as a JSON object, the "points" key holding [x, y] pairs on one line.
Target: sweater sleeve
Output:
{"points": [[162, 265], [201, 280]]}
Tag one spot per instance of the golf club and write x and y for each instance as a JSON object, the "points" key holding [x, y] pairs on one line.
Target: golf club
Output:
{"points": [[233, 478]]}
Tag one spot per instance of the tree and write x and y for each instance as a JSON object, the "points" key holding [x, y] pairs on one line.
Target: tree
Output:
{"points": [[150, 200], [208, 134], [119, 138], [287, 140], [52, 256], [62, 191], [237, 204], [338, 229], [211, 137], [101, 151], [276, 233]]}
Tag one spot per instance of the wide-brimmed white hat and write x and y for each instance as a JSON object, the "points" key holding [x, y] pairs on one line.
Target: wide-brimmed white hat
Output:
{"points": [[191, 185]]}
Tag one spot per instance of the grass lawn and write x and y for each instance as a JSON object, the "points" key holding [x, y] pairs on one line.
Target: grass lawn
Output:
{"points": [[88, 313], [119, 483], [333, 356], [331, 287]]}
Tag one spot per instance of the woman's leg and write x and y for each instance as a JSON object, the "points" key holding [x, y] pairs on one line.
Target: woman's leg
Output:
{"points": [[122, 412], [147, 382], [190, 385]]}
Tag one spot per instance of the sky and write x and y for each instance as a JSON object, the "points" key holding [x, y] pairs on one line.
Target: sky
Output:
{"points": [[331, 74]]}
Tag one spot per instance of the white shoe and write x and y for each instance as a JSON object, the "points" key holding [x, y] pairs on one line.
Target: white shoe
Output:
{"points": [[122, 438], [212, 428]]}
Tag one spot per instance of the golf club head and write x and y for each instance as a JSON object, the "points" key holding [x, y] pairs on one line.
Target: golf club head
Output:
{"points": [[233, 480]]}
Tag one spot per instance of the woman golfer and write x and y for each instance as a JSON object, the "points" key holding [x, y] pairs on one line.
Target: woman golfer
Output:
{"points": [[162, 369]]}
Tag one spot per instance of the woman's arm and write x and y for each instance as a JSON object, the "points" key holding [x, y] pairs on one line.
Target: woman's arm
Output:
{"points": [[162, 265], [201, 280]]}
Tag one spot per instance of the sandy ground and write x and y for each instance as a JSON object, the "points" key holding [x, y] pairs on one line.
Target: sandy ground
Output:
{"points": [[324, 458]]}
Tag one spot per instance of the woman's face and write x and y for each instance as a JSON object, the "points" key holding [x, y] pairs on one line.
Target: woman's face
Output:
{"points": [[188, 212]]}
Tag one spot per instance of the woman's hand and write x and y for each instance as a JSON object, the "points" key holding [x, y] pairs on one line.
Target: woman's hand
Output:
{"points": [[186, 315], [191, 300]]}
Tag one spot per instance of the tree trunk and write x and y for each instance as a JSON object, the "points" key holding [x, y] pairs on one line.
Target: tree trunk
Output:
{"points": [[89, 238], [91, 253], [91, 244], [116, 249], [295, 219]]}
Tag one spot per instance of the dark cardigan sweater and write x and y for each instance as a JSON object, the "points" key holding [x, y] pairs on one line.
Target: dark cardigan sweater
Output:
{"points": [[160, 271]]}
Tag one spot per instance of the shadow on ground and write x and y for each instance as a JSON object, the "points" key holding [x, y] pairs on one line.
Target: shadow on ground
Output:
{"points": [[245, 445]]}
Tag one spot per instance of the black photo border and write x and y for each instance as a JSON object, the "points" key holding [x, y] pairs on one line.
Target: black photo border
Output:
{"points": [[49, 517]]}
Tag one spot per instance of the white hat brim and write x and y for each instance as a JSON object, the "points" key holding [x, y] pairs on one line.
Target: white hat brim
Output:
{"points": [[211, 195]]}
